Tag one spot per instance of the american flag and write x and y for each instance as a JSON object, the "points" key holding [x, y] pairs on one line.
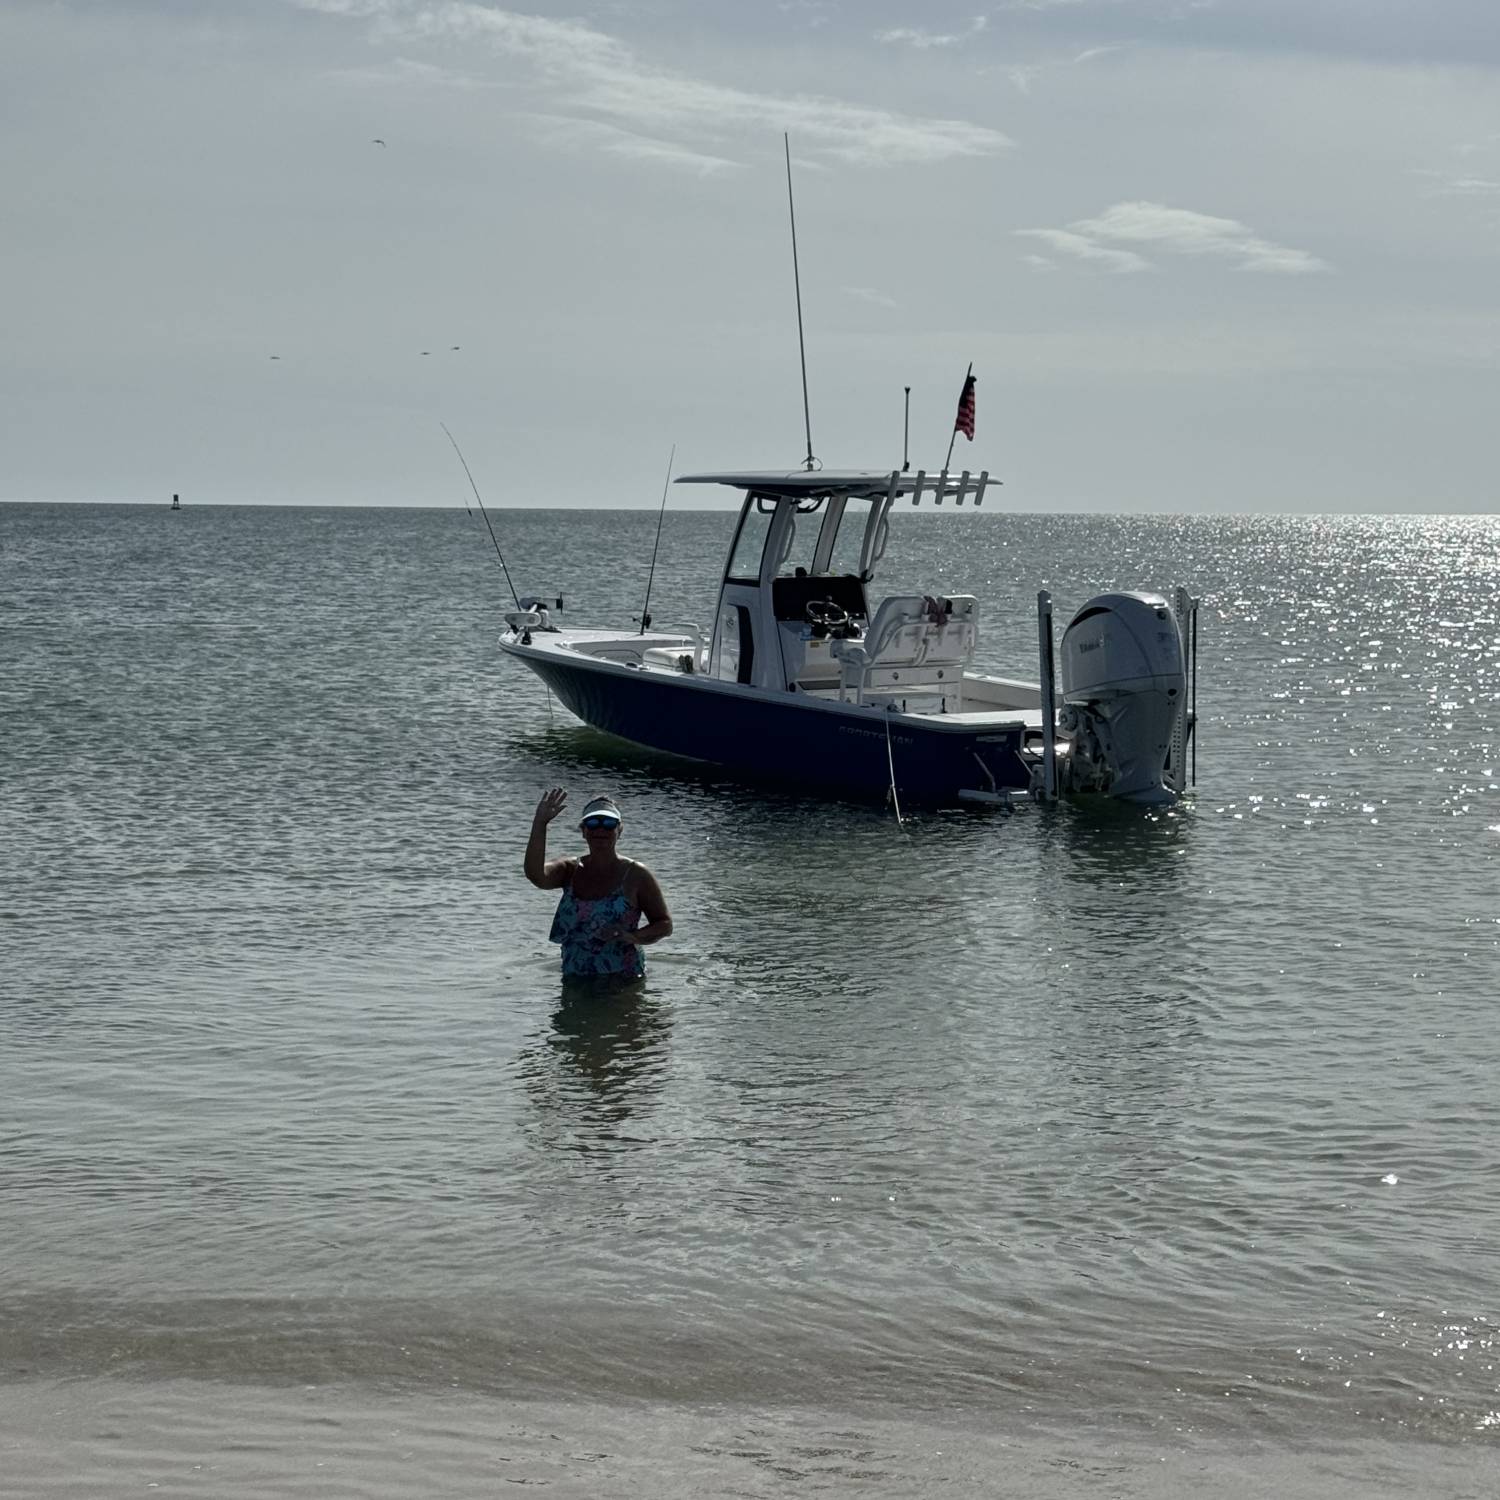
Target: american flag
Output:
{"points": [[965, 421]]}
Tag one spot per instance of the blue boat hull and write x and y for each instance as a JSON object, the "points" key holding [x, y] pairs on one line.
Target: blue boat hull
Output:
{"points": [[802, 740]]}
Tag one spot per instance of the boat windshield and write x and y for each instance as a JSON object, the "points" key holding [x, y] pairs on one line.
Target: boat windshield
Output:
{"points": [[849, 541], [750, 542], [802, 542]]}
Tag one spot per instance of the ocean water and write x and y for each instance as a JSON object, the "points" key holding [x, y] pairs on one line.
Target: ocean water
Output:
{"points": [[1078, 1150]]}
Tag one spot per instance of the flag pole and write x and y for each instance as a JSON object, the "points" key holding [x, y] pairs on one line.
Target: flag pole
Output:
{"points": [[954, 438], [906, 435]]}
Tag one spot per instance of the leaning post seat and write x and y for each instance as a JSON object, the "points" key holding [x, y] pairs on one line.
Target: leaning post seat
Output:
{"points": [[916, 644]]}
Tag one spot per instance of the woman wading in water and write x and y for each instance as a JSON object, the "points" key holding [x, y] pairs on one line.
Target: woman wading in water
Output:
{"points": [[598, 920]]}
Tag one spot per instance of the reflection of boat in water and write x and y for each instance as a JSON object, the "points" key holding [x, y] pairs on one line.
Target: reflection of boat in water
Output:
{"points": [[807, 676]]}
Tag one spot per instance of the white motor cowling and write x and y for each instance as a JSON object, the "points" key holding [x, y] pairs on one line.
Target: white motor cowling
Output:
{"points": [[1123, 691]]}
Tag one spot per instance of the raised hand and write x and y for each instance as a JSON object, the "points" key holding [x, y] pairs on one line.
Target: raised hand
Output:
{"points": [[552, 803]]}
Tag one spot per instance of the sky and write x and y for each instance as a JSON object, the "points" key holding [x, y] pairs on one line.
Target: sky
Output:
{"points": [[1204, 255]]}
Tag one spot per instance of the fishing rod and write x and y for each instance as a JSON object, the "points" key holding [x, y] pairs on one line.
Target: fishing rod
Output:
{"points": [[646, 607], [483, 512], [786, 141]]}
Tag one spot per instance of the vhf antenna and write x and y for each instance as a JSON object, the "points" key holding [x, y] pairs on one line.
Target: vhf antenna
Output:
{"points": [[797, 282]]}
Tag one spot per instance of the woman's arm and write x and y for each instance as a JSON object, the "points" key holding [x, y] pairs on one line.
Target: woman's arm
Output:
{"points": [[539, 872], [653, 907]]}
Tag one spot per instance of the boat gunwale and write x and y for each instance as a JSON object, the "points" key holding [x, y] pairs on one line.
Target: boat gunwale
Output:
{"points": [[960, 722]]}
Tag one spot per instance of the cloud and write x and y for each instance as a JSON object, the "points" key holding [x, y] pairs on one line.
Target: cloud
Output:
{"points": [[1024, 74], [562, 130], [849, 132], [1040, 4], [1090, 53], [1183, 232], [591, 74], [919, 39], [403, 72], [912, 36], [869, 294], [1174, 231], [1080, 247], [1449, 185], [809, 13]]}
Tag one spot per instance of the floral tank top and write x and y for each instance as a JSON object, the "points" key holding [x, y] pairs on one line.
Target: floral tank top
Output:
{"points": [[578, 925]]}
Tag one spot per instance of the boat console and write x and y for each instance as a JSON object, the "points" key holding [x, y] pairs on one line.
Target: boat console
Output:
{"points": [[792, 598]]}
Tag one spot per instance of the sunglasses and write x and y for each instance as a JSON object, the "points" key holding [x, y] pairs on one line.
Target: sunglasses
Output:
{"points": [[601, 823]]}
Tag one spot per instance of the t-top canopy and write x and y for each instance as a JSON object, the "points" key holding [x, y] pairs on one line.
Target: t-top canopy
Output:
{"points": [[863, 484]]}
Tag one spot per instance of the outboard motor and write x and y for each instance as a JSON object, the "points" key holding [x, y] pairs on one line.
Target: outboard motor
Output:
{"points": [[1123, 691]]}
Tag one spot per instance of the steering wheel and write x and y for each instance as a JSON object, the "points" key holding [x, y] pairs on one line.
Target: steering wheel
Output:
{"points": [[826, 613]]}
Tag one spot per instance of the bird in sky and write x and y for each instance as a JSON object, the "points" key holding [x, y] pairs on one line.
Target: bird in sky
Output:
{"points": [[377, 142], [426, 352], [455, 348], [275, 356]]}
